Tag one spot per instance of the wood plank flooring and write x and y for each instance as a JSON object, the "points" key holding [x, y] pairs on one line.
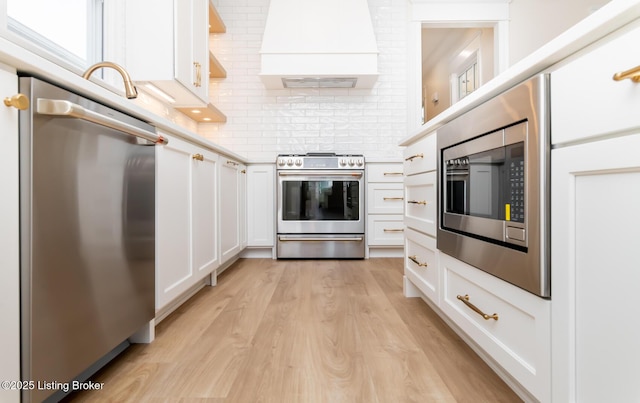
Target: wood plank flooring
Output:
{"points": [[301, 331]]}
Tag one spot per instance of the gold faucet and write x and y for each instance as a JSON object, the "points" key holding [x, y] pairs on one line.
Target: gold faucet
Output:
{"points": [[129, 88]]}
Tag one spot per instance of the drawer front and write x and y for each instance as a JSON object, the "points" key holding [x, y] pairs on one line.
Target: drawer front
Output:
{"points": [[384, 172], [421, 265], [517, 337], [420, 202], [420, 156], [385, 230], [586, 101], [385, 198]]}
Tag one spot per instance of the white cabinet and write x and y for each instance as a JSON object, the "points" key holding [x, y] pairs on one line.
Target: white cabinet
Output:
{"points": [[421, 270], [186, 221], [595, 270], [9, 233], [595, 194], [232, 208], [261, 210], [385, 205], [509, 324], [167, 44]]}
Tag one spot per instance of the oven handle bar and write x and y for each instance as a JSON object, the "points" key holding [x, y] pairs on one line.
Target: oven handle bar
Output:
{"points": [[322, 173], [59, 107], [317, 239]]}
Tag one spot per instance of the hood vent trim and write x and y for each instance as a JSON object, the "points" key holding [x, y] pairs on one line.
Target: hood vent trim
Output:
{"points": [[318, 44]]}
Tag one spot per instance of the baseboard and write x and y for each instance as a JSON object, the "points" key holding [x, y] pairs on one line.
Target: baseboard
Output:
{"points": [[267, 252], [386, 251]]}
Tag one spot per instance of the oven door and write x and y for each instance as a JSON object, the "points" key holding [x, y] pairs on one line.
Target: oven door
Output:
{"points": [[320, 202]]}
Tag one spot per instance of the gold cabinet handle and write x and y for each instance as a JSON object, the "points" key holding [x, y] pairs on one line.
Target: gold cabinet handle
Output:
{"points": [[392, 174], [244, 171], [392, 198], [633, 74], [198, 157], [465, 299], [415, 260], [422, 202], [393, 230], [421, 155], [198, 66], [19, 101], [235, 164]]}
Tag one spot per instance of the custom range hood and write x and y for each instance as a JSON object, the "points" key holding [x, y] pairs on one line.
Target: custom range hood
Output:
{"points": [[312, 43]]}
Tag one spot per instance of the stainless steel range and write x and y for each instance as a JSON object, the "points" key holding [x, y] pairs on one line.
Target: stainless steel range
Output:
{"points": [[320, 206]]}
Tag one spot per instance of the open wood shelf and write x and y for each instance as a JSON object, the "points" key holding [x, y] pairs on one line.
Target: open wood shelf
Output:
{"points": [[216, 70], [216, 25]]}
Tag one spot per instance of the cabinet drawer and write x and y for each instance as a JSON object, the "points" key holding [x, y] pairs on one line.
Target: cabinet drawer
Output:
{"points": [[420, 263], [385, 230], [384, 172], [420, 202], [519, 339], [603, 106], [385, 198], [420, 156]]}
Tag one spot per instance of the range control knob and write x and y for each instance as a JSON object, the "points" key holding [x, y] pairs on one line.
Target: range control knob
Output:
{"points": [[351, 162], [289, 162], [298, 162], [359, 163], [281, 162], [342, 162]]}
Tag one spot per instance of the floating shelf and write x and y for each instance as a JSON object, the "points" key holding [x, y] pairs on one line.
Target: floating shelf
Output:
{"points": [[216, 25], [215, 68], [204, 114]]}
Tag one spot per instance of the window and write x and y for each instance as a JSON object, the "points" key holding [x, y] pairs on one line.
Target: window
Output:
{"points": [[468, 80], [69, 30]]}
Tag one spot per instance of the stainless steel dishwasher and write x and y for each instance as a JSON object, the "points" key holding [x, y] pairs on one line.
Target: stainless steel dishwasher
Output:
{"points": [[87, 190]]}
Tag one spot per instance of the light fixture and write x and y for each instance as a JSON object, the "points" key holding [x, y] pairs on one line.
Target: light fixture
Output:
{"points": [[157, 91], [206, 113]]}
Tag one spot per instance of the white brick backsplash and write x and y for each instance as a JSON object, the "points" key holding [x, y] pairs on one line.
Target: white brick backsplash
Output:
{"points": [[262, 123]]}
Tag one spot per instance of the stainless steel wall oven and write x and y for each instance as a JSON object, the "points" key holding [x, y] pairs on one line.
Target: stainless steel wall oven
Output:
{"points": [[320, 206], [493, 189]]}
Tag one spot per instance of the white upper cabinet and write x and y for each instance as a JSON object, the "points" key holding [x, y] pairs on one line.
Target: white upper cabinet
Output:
{"points": [[167, 45]]}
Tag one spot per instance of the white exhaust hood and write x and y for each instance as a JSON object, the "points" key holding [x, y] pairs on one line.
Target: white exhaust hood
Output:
{"points": [[312, 43]]}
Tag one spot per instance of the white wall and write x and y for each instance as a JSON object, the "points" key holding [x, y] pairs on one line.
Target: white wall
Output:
{"points": [[535, 22], [263, 123]]}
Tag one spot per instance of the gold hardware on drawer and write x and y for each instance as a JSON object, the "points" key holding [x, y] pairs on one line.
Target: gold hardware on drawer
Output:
{"points": [[18, 101], [244, 171], [633, 74], [198, 81], [392, 174], [465, 299], [392, 198], [198, 157], [235, 164], [414, 157], [393, 230], [422, 202], [415, 260]]}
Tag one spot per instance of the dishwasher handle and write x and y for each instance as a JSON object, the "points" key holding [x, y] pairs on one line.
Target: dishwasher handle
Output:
{"points": [[59, 107]]}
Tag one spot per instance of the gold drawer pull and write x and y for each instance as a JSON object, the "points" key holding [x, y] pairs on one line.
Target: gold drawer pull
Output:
{"points": [[423, 202], [392, 198], [633, 74], [465, 299], [393, 230], [235, 164], [198, 157], [421, 155], [415, 260], [393, 174], [18, 101]]}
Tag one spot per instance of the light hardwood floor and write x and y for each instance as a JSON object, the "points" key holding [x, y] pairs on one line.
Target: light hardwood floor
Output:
{"points": [[301, 331]]}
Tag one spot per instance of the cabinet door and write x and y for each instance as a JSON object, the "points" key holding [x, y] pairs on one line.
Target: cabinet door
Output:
{"points": [[174, 272], [261, 205], [192, 35], [595, 271], [204, 216], [9, 246], [229, 209]]}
